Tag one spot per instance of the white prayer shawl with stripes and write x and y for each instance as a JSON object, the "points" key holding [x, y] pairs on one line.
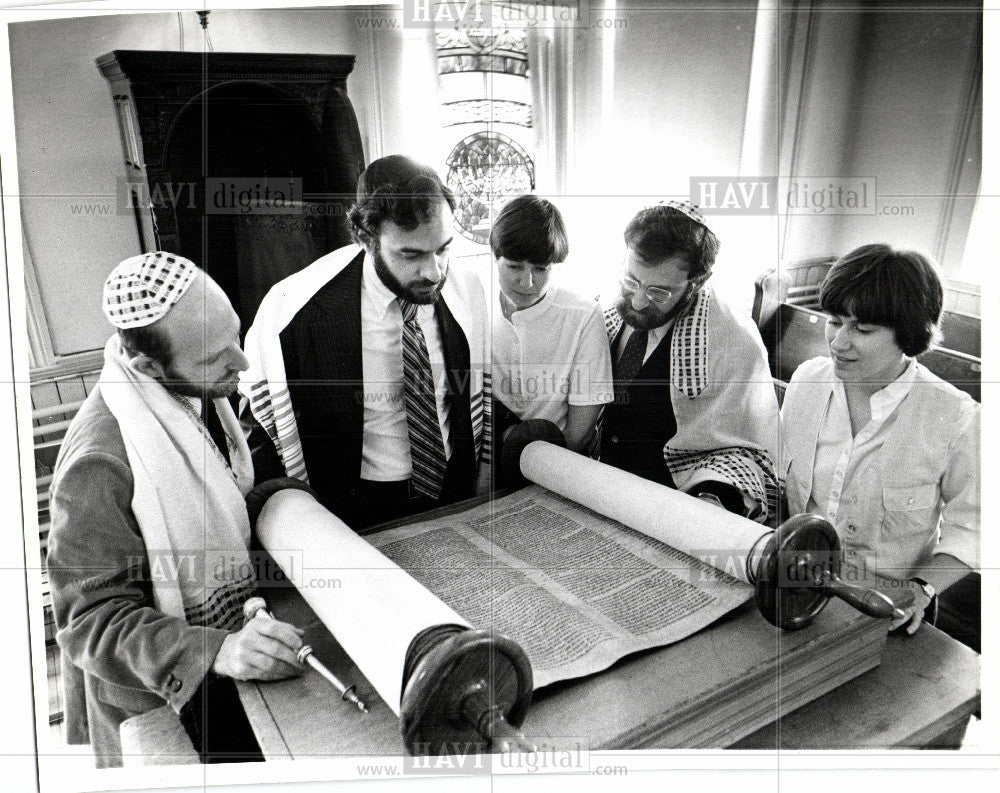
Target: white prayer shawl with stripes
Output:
{"points": [[264, 383], [188, 502], [724, 403]]}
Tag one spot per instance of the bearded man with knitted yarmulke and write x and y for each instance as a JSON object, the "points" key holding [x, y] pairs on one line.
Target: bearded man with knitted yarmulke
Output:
{"points": [[149, 545], [694, 407]]}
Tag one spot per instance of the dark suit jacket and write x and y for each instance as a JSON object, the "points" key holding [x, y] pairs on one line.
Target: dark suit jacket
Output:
{"points": [[321, 347]]}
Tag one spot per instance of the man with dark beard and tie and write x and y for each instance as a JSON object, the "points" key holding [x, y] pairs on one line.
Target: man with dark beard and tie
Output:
{"points": [[367, 367], [694, 407]]}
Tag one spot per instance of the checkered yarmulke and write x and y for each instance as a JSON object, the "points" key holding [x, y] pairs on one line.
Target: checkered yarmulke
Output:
{"points": [[143, 288], [689, 209]]}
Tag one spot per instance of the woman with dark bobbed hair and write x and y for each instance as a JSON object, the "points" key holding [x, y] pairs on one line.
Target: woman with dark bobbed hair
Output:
{"points": [[875, 443]]}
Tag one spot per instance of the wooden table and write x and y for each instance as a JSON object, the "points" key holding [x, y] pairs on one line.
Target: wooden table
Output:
{"points": [[922, 695]]}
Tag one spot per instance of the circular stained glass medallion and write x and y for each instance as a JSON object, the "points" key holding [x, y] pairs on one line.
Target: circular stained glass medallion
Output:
{"points": [[485, 171]]}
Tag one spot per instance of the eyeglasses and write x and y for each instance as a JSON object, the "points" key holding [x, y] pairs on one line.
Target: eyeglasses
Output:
{"points": [[656, 295]]}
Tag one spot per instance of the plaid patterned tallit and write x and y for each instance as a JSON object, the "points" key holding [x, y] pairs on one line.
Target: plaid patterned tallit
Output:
{"points": [[716, 438]]}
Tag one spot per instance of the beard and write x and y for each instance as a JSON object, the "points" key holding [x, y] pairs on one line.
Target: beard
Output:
{"points": [[651, 318], [184, 387], [421, 292]]}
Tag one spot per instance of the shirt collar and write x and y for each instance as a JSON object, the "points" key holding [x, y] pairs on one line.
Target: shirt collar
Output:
{"points": [[885, 401], [653, 336], [523, 315], [378, 295], [656, 335]]}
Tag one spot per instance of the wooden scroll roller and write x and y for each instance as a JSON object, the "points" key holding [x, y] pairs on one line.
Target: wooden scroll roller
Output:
{"points": [[447, 682], [795, 570]]}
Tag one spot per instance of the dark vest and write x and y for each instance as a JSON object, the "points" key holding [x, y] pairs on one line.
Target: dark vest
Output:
{"points": [[322, 352], [641, 419]]}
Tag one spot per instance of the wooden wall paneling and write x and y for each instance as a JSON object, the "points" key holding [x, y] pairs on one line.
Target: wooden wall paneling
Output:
{"points": [[44, 395], [72, 389]]}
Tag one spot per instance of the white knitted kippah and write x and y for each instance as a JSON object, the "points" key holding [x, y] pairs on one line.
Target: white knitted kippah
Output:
{"points": [[142, 289]]}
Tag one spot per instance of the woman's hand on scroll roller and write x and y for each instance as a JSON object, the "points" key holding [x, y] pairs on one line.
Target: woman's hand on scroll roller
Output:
{"points": [[913, 615], [263, 650]]}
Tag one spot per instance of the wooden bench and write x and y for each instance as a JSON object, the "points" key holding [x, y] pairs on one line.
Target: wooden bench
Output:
{"points": [[961, 333], [961, 370], [792, 336]]}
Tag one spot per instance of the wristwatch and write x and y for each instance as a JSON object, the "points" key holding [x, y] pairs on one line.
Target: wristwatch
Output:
{"points": [[930, 612]]}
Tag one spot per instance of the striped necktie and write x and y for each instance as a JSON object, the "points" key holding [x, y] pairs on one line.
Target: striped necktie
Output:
{"points": [[427, 451]]}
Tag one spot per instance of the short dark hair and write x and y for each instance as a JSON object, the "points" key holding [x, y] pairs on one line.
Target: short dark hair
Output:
{"points": [[529, 229], [398, 189], [663, 232], [147, 340], [880, 285]]}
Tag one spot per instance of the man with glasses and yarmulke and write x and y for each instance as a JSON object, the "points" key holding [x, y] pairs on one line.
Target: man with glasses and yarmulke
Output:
{"points": [[695, 407]]}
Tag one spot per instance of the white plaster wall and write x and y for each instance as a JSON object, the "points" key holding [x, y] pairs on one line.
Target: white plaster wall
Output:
{"points": [[69, 149]]}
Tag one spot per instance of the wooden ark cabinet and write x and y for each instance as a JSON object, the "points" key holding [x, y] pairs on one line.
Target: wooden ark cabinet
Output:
{"points": [[245, 163]]}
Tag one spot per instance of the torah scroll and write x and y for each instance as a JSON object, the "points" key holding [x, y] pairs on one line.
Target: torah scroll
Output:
{"points": [[567, 569], [376, 608], [688, 524]]}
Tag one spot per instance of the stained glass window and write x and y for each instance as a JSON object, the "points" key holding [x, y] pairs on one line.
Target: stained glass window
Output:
{"points": [[486, 113], [486, 170]]}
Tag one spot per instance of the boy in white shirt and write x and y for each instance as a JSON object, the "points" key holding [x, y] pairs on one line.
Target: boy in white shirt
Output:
{"points": [[551, 358]]}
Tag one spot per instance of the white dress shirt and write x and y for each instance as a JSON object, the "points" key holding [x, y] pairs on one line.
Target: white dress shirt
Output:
{"points": [[551, 355], [385, 446], [906, 487], [841, 457]]}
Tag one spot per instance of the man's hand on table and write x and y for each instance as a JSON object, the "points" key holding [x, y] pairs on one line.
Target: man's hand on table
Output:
{"points": [[263, 650]]}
